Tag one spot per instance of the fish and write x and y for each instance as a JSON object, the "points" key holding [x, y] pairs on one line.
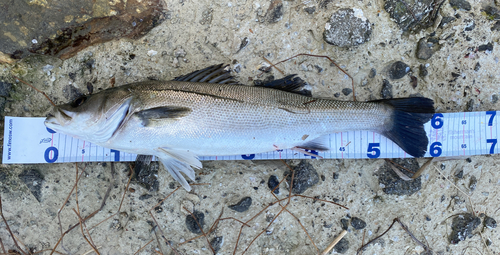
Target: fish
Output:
{"points": [[208, 113]]}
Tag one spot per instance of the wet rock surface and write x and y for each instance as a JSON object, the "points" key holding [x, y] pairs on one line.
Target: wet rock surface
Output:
{"points": [[34, 181], [393, 184], [347, 28], [305, 177], [462, 227]]}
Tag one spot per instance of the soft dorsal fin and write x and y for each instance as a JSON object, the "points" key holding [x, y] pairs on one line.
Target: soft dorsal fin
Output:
{"points": [[220, 74], [289, 83]]}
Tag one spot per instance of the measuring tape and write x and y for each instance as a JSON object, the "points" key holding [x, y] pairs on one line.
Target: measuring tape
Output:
{"points": [[27, 140]]}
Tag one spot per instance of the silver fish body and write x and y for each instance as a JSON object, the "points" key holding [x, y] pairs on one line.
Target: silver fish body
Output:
{"points": [[178, 121]]}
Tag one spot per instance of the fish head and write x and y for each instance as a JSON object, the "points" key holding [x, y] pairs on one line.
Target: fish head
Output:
{"points": [[93, 118]]}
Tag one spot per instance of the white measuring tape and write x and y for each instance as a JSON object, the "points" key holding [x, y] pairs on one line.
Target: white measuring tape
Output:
{"points": [[27, 140]]}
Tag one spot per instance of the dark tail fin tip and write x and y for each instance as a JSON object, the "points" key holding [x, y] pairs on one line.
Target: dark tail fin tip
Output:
{"points": [[409, 117]]}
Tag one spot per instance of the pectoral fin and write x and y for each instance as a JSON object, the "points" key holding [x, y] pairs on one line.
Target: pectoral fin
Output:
{"points": [[177, 161], [161, 113]]}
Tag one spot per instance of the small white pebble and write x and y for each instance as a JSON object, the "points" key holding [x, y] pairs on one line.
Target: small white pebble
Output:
{"points": [[34, 41]]}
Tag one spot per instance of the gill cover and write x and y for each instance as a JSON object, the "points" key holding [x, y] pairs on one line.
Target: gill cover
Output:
{"points": [[112, 122]]}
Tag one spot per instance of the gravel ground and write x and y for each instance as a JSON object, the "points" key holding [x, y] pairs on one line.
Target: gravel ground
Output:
{"points": [[450, 56]]}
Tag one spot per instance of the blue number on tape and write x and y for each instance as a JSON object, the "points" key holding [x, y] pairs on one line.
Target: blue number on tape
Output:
{"points": [[342, 149], [373, 148], [117, 155], [464, 122], [47, 154], [437, 121], [493, 143], [464, 146], [493, 113], [248, 157], [436, 150], [311, 151]]}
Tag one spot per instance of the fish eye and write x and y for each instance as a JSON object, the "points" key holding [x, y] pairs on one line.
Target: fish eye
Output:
{"points": [[79, 101]]}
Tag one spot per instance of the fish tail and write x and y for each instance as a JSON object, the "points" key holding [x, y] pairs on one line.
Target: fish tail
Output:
{"points": [[407, 126]]}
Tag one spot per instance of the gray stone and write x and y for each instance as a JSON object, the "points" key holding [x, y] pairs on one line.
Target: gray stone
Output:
{"points": [[242, 205], [305, 177], [342, 246], [393, 184], [398, 70], [347, 28], [462, 227], [460, 4], [357, 223], [425, 49], [146, 172], [410, 14], [386, 91], [193, 223]]}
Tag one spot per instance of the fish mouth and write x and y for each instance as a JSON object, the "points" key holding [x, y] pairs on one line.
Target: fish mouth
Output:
{"points": [[58, 118]]}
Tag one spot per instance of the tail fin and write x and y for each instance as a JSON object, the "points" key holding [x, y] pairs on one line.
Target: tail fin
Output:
{"points": [[407, 127]]}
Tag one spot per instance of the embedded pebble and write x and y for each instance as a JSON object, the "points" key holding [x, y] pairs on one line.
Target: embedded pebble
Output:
{"points": [[242, 205], [342, 246], [386, 92], [393, 184], [357, 223], [410, 16], [310, 10], [473, 183], [459, 174], [425, 49], [275, 11], [347, 28], [305, 177], [273, 182], [346, 91], [217, 243], [191, 222], [422, 71], [462, 227], [490, 222], [372, 73], [398, 70], [460, 4], [33, 180], [146, 172], [5, 89]]}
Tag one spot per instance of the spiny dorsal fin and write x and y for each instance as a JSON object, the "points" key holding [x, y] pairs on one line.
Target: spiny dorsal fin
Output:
{"points": [[289, 83], [220, 74]]}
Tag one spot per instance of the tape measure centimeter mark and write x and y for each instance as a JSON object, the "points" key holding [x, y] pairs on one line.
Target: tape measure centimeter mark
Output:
{"points": [[449, 134]]}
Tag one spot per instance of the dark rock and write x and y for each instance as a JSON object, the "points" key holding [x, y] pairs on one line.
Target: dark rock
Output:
{"points": [[216, 243], [357, 223], [460, 174], [275, 11], [462, 227], [386, 91], [445, 21], [422, 71], [470, 26], [71, 93], [33, 180], [470, 105], [494, 98], [335, 176], [490, 222], [477, 66], [145, 197], [191, 222], [372, 73], [460, 4], [206, 16], [344, 223], [342, 246], [346, 91], [404, 13], [242, 205], [323, 178], [398, 70], [346, 29], [304, 178], [492, 12], [146, 172], [473, 183], [273, 182], [336, 94], [425, 49], [310, 10], [243, 44], [395, 185], [496, 26], [427, 218], [485, 47], [5, 89]]}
